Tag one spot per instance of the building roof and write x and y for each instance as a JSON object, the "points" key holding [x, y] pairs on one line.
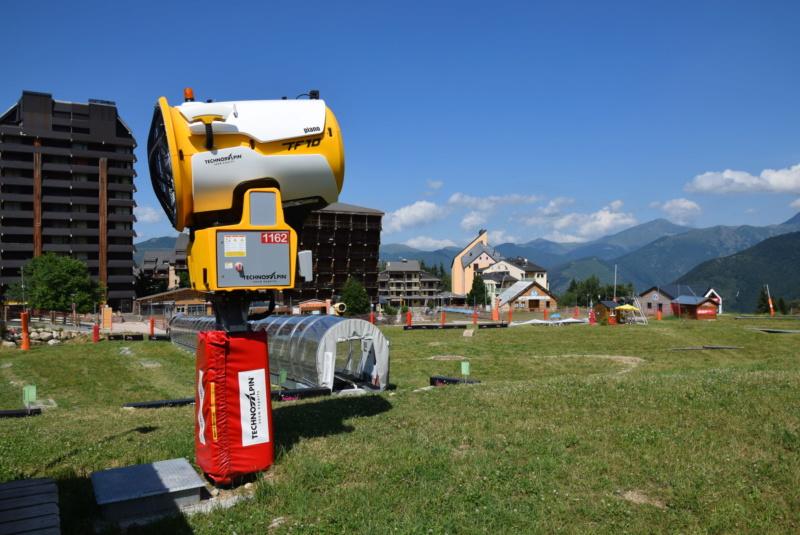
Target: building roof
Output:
{"points": [[609, 304], [402, 266], [500, 277], [516, 289], [523, 264], [692, 300], [170, 295], [427, 277], [477, 250], [674, 290], [350, 208]]}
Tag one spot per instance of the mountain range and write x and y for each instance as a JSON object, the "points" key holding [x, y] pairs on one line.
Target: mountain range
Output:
{"points": [[738, 278], [651, 254]]}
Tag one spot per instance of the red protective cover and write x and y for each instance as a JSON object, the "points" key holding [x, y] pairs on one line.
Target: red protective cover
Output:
{"points": [[233, 428]]}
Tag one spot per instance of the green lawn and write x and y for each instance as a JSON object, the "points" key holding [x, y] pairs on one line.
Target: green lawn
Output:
{"points": [[572, 429]]}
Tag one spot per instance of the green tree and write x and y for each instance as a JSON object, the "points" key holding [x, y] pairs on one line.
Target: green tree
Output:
{"points": [[184, 280], [782, 307], [56, 282], [355, 297], [446, 283], [581, 293], [762, 305], [144, 285], [477, 295]]}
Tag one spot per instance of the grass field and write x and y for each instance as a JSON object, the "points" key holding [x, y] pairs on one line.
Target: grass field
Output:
{"points": [[573, 429]]}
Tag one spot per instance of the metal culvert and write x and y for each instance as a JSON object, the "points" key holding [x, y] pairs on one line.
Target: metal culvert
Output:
{"points": [[341, 354]]}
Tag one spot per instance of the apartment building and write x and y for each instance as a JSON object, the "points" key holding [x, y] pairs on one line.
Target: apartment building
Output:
{"points": [[345, 241], [66, 186], [402, 283]]}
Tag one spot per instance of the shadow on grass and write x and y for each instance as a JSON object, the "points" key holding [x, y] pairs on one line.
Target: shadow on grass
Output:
{"points": [[78, 507], [141, 430], [321, 418], [80, 514]]}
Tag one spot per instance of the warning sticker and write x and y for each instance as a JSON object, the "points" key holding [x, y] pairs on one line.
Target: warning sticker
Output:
{"points": [[235, 246]]}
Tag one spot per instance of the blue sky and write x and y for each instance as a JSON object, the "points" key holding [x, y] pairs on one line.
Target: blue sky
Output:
{"points": [[560, 120]]}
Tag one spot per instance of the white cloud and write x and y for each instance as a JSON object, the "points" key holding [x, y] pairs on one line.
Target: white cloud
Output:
{"points": [[795, 204], [148, 214], [415, 215], [491, 203], [680, 211], [500, 236], [728, 181], [473, 220], [435, 184], [429, 244], [482, 208], [577, 227]]}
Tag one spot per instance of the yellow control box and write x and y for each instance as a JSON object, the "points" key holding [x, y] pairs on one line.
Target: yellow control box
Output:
{"points": [[257, 253]]}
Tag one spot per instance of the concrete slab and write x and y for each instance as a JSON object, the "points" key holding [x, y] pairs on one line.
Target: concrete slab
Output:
{"points": [[145, 489]]}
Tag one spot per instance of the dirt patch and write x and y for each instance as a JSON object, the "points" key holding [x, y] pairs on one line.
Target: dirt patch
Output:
{"points": [[629, 362], [639, 497]]}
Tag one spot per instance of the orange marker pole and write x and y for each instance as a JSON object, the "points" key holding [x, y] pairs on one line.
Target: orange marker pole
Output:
{"points": [[408, 318], [26, 337], [769, 299]]}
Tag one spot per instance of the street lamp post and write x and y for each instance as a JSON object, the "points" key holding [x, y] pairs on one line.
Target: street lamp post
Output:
{"points": [[24, 307]]}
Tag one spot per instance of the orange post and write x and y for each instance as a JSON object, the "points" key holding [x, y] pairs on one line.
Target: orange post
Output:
{"points": [[26, 337], [658, 315], [152, 326], [96, 333], [575, 315], [408, 318], [474, 316], [545, 313], [372, 318]]}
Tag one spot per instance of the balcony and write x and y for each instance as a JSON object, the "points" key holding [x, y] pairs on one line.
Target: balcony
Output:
{"points": [[28, 247], [15, 231]]}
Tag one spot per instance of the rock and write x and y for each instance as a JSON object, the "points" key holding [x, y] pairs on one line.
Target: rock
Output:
{"points": [[53, 342]]}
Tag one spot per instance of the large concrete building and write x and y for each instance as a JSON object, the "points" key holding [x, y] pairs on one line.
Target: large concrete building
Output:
{"points": [[66, 186], [345, 241]]}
